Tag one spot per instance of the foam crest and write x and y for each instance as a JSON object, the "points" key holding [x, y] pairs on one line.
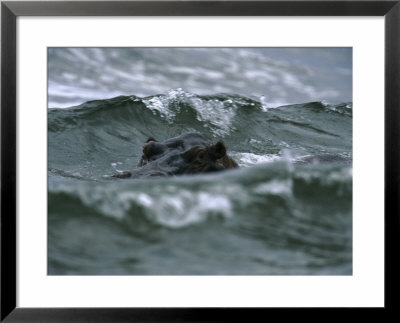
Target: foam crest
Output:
{"points": [[186, 208], [170, 207], [216, 114], [275, 187], [249, 159]]}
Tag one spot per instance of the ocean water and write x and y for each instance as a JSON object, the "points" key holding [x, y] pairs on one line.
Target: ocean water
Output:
{"points": [[285, 116]]}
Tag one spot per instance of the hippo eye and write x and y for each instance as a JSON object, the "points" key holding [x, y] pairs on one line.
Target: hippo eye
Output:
{"points": [[201, 154]]}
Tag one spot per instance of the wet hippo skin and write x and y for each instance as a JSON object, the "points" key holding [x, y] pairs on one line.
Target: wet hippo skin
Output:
{"points": [[190, 153]]}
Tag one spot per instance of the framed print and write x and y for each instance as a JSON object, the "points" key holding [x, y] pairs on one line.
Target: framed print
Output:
{"points": [[198, 160]]}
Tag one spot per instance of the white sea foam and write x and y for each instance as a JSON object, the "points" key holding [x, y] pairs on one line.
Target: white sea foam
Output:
{"points": [[168, 105], [186, 208], [160, 104], [219, 114], [249, 159], [276, 187], [267, 105], [172, 207]]}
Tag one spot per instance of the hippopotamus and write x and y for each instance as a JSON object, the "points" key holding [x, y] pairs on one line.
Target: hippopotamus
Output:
{"points": [[190, 153]]}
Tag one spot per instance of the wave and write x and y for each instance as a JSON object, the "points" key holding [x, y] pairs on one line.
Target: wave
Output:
{"points": [[286, 210], [100, 133], [215, 111], [184, 201]]}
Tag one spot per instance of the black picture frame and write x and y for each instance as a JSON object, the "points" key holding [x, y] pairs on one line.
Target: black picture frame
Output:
{"points": [[10, 10]]}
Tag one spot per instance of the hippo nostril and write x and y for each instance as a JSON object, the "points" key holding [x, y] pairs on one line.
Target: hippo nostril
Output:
{"points": [[147, 148]]}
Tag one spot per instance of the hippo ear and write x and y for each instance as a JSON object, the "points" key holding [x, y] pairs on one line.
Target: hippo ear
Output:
{"points": [[150, 139], [219, 149]]}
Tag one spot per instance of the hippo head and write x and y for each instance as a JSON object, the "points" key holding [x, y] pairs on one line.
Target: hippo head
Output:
{"points": [[204, 159], [186, 154]]}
